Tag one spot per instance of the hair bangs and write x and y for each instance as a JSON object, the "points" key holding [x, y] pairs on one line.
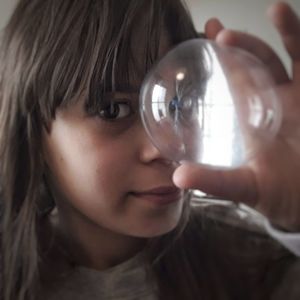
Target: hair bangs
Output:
{"points": [[127, 53], [93, 47], [131, 47]]}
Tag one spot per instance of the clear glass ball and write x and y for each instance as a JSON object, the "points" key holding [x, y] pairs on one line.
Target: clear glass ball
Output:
{"points": [[209, 104]]}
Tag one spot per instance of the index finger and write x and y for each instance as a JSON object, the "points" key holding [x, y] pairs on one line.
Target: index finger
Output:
{"points": [[288, 24]]}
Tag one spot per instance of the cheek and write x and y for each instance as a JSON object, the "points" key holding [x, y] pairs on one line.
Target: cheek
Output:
{"points": [[110, 171], [85, 165], [92, 174]]}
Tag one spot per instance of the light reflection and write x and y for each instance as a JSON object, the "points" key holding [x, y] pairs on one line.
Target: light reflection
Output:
{"points": [[158, 102], [219, 123]]}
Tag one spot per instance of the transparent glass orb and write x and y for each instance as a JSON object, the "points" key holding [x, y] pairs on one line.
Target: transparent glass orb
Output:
{"points": [[209, 104]]}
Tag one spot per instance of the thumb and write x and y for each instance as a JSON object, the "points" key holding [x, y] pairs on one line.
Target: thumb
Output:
{"points": [[237, 185]]}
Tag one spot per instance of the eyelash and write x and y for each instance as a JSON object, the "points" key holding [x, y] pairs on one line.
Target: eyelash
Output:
{"points": [[113, 110]]}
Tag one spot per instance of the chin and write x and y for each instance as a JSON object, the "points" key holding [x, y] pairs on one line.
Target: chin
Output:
{"points": [[157, 228]]}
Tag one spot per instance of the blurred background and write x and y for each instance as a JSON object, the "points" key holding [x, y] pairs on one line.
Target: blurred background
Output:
{"points": [[248, 16], [245, 15]]}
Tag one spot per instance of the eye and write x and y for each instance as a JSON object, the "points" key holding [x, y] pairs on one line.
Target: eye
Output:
{"points": [[115, 111], [183, 109], [174, 105]]}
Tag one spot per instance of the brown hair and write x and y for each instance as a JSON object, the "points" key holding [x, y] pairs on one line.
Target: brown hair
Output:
{"points": [[51, 52]]}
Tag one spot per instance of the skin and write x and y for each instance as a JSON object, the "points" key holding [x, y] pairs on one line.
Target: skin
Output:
{"points": [[95, 168], [100, 172], [269, 182]]}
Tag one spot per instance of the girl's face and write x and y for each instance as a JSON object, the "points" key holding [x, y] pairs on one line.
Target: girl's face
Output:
{"points": [[104, 171]]}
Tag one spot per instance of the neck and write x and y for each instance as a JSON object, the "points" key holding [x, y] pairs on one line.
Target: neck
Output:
{"points": [[91, 245]]}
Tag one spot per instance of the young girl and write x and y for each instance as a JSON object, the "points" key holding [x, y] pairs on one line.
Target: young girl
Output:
{"points": [[90, 208]]}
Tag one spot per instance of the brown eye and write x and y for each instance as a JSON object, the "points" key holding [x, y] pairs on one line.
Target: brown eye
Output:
{"points": [[115, 111]]}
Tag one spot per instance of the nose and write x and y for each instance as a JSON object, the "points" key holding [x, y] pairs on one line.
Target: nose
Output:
{"points": [[148, 152]]}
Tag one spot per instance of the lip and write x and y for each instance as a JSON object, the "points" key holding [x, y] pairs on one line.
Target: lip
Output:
{"points": [[160, 195]]}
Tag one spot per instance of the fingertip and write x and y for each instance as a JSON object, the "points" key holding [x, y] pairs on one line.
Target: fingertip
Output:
{"points": [[281, 14], [214, 22], [226, 37], [179, 177], [212, 27], [277, 8], [178, 180]]}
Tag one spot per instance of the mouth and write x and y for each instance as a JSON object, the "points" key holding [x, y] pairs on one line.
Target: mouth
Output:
{"points": [[160, 195]]}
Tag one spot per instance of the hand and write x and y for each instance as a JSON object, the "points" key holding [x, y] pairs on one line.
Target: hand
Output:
{"points": [[271, 181]]}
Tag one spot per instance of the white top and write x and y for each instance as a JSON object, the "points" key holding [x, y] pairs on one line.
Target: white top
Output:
{"points": [[126, 281], [130, 281]]}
